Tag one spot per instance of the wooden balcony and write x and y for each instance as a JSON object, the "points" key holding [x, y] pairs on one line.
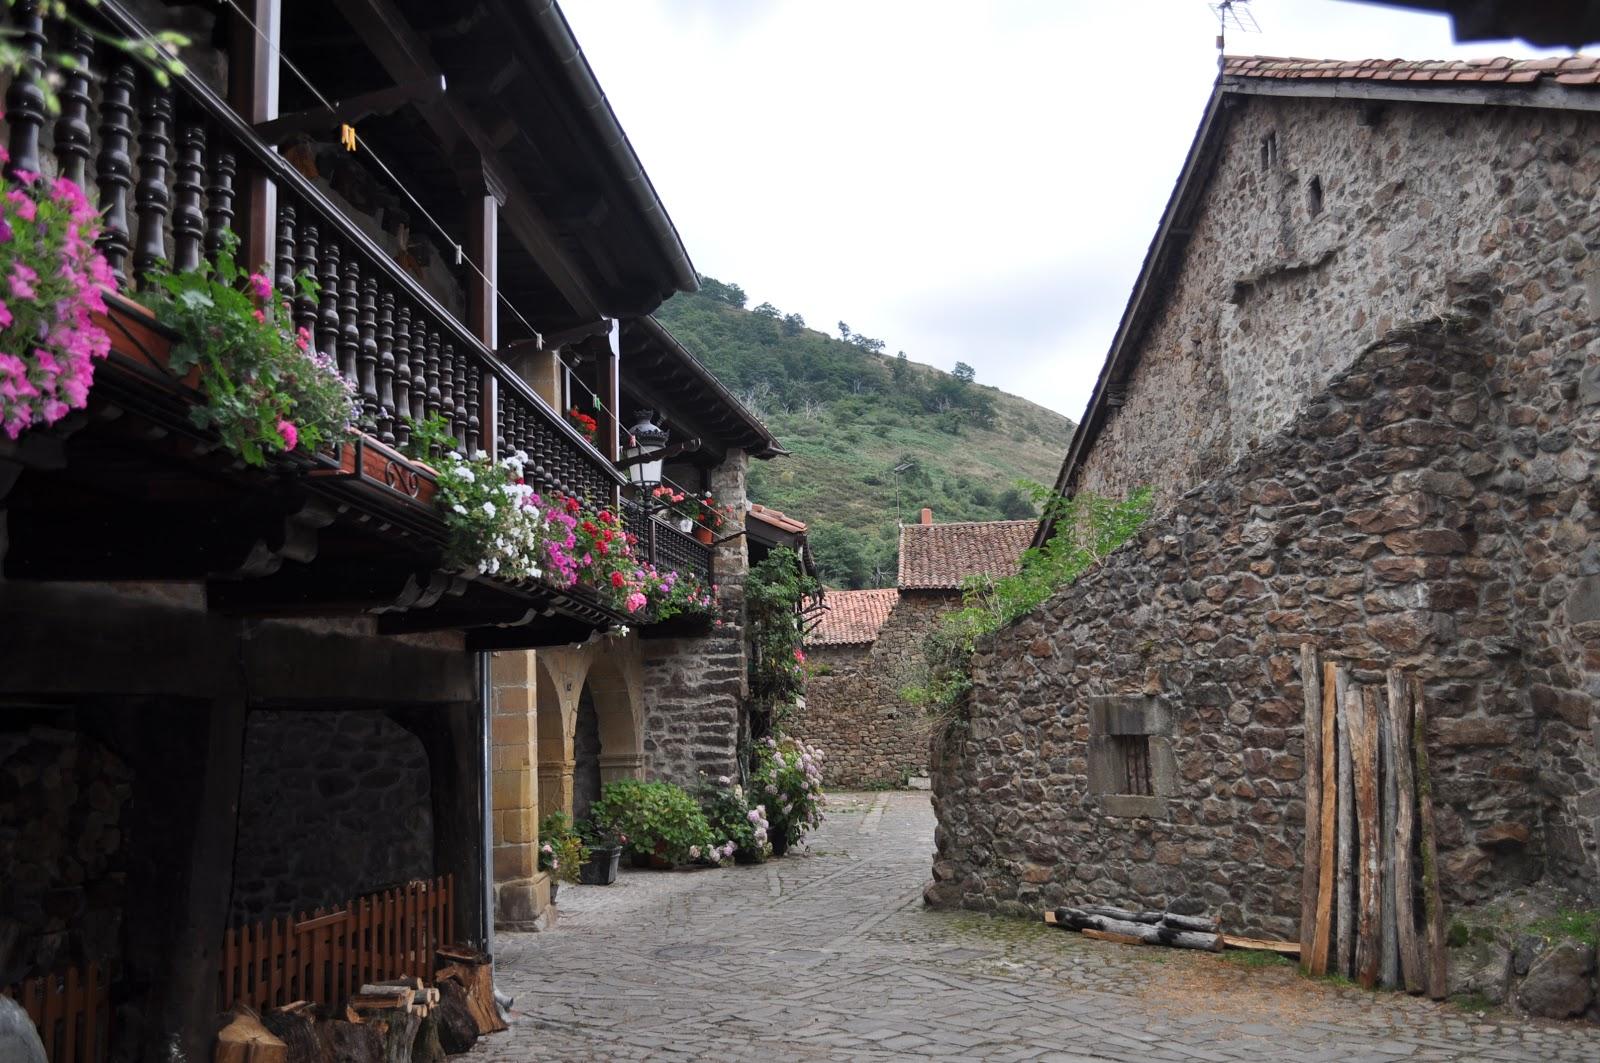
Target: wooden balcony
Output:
{"points": [[130, 489]]}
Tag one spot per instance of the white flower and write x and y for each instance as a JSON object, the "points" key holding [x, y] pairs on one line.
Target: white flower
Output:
{"points": [[466, 475], [480, 455], [459, 508], [694, 852], [488, 509], [723, 779]]}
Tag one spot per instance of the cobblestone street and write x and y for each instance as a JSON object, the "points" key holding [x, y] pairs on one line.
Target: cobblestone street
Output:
{"points": [[829, 954]]}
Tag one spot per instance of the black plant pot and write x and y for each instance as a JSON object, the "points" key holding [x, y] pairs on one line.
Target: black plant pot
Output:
{"points": [[780, 842], [601, 867]]}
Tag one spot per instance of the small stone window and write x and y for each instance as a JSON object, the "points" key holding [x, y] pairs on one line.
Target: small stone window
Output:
{"points": [[1314, 196], [1269, 150], [1131, 766]]}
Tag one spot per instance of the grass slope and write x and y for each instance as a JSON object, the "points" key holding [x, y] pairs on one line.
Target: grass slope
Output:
{"points": [[849, 414]]}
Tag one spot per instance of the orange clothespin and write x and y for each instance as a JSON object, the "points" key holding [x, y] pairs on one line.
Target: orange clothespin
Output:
{"points": [[347, 136]]}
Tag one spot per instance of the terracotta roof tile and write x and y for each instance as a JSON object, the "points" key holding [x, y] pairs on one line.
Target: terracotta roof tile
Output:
{"points": [[777, 519], [1575, 70], [941, 556], [851, 618]]}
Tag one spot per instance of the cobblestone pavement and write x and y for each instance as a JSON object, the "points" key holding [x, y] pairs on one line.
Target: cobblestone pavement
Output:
{"points": [[828, 954]]}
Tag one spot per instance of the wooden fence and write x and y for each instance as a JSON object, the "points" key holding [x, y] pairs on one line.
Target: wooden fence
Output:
{"points": [[324, 957], [72, 1011]]}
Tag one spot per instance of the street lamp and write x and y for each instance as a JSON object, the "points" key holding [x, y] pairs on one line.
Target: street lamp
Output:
{"points": [[645, 438]]}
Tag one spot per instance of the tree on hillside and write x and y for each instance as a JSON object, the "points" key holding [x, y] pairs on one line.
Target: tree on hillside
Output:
{"points": [[843, 556], [793, 324], [727, 294], [902, 368], [766, 310], [844, 332], [1016, 504], [964, 373]]}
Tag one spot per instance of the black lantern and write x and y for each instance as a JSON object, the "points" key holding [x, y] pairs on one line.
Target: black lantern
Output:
{"points": [[645, 437]]}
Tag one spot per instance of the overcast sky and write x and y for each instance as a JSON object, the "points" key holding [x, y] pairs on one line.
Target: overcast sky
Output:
{"points": [[970, 181]]}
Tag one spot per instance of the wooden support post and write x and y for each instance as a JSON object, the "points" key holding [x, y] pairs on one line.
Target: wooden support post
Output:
{"points": [[1364, 752], [1329, 812], [608, 438], [1431, 900], [483, 303], [253, 93], [1344, 884], [1400, 715]]}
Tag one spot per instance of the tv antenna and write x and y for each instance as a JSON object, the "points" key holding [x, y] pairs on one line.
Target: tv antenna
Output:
{"points": [[1234, 14]]}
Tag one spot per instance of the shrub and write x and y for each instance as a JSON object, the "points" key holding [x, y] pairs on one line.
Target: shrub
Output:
{"points": [[741, 828], [561, 850], [787, 778], [657, 818]]}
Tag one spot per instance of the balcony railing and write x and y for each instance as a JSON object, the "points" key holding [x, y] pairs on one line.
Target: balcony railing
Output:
{"points": [[163, 163]]}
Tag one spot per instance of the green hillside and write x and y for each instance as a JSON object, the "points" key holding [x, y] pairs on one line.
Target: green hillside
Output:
{"points": [[850, 414]]}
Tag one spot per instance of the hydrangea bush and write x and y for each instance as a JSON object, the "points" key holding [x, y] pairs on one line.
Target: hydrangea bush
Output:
{"points": [[658, 819], [743, 828], [787, 779], [53, 278], [266, 389], [561, 850]]}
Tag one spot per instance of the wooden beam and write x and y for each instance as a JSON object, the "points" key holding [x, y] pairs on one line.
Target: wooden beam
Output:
{"points": [[253, 93], [1364, 755], [1330, 798], [608, 436], [404, 54], [1311, 869], [378, 102], [483, 304], [1399, 706]]}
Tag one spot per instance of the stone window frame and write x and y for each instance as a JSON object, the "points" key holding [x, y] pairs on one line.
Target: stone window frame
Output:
{"points": [[1119, 716]]}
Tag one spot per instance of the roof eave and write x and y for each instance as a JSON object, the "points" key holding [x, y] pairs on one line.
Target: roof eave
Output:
{"points": [[767, 444]]}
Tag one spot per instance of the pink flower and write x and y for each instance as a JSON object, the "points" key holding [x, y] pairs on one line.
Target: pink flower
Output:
{"points": [[259, 316], [636, 602], [5, 315], [260, 287], [302, 338], [290, 434], [22, 278], [23, 204], [27, 177]]}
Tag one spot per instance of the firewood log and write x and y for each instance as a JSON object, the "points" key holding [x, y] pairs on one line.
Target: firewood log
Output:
{"points": [[458, 1030], [475, 971], [373, 998], [426, 1048], [1172, 919], [245, 1040], [1150, 934], [296, 1026], [349, 1042]]}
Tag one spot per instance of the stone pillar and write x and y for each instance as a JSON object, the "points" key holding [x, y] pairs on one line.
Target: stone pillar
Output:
{"points": [[695, 688], [521, 890]]}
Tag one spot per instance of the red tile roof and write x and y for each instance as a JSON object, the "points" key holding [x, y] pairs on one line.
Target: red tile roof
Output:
{"points": [[1572, 70], [777, 519], [941, 556], [851, 618]]}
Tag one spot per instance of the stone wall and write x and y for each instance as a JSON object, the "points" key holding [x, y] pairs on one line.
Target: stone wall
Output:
{"points": [[1435, 508], [62, 845], [334, 804], [695, 688], [871, 735], [1276, 297]]}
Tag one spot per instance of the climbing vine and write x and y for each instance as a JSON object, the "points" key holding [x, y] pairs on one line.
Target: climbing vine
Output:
{"points": [[774, 591], [1087, 528]]}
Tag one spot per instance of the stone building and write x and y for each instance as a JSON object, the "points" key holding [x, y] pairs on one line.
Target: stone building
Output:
{"points": [[868, 644], [1361, 368]]}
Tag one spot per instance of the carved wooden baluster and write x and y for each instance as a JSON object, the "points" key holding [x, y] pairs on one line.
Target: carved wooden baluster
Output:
{"points": [[403, 410], [474, 423], [502, 430], [432, 369], [386, 368], [24, 96], [447, 392], [188, 223], [219, 205], [283, 278], [114, 169], [305, 306], [328, 305], [349, 332], [72, 126], [153, 196], [367, 351]]}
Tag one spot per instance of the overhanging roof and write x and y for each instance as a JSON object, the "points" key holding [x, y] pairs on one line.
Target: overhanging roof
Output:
{"points": [[1571, 83]]}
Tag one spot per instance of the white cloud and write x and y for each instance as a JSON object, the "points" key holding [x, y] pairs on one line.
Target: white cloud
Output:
{"points": [[972, 182]]}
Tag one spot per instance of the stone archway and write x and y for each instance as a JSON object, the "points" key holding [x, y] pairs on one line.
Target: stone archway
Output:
{"points": [[554, 728], [618, 714]]}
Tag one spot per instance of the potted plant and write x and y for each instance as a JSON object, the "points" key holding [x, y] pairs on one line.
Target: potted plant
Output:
{"points": [[561, 851], [709, 517], [663, 824], [583, 423], [605, 853]]}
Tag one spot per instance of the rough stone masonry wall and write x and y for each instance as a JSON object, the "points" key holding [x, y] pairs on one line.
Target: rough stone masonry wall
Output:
{"points": [[695, 688], [870, 734], [1276, 297], [1430, 510], [335, 804]]}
